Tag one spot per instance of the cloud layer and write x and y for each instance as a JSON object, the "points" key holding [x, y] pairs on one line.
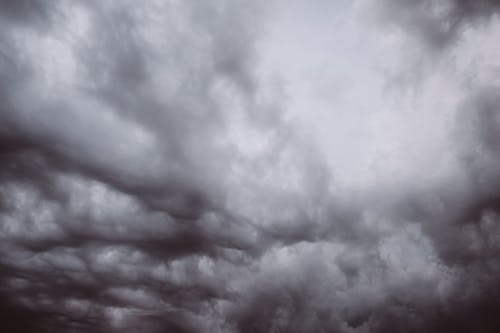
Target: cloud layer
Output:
{"points": [[181, 166]]}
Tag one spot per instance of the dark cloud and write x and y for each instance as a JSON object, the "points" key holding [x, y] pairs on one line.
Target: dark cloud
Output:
{"points": [[150, 182], [437, 23]]}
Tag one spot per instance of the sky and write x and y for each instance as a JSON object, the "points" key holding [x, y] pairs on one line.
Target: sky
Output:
{"points": [[242, 166]]}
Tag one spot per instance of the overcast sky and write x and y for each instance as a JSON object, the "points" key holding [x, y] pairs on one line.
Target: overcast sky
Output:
{"points": [[250, 166]]}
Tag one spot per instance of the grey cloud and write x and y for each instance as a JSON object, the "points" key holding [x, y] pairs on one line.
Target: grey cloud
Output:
{"points": [[28, 12], [63, 165], [437, 23], [126, 205]]}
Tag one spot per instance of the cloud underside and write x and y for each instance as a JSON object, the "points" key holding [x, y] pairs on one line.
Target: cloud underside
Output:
{"points": [[151, 181]]}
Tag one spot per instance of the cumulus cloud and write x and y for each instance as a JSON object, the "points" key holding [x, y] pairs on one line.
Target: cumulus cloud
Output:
{"points": [[179, 166]]}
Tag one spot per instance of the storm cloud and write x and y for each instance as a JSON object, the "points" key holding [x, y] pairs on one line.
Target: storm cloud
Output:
{"points": [[236, 166]]}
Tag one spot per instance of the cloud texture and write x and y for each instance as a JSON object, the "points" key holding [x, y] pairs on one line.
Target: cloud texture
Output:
{"points": [[173, 166]]}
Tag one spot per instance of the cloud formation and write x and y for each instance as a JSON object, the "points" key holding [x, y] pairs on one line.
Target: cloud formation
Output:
{"points": [[440, 23], [155, 175]]}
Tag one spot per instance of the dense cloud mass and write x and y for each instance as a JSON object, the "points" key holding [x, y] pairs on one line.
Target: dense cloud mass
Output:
{"points": [[250, 166]]}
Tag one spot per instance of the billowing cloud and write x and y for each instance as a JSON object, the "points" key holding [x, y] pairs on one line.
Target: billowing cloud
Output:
{"points": [[233, 166]]}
